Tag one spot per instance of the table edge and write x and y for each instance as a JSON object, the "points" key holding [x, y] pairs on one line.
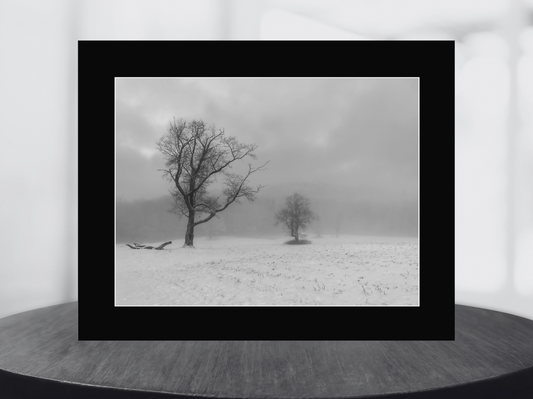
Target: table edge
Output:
{"points": [[513, 385]]}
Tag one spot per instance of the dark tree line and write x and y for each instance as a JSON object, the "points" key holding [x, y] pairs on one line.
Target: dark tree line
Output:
{"points": [[150, 221], [146, 221]]}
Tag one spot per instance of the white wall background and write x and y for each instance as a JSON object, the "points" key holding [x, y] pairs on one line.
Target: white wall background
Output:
{"points": [[493, 138], [37, 155]]}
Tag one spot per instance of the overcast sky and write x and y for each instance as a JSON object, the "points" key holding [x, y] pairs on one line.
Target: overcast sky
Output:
{"points": [[361, 134]]}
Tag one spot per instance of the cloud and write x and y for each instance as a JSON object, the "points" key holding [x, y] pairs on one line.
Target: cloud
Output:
{"points": [[361, 133]]}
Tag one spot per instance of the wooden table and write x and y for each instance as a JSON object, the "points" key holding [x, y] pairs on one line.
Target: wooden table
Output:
{"points": [[40, 357]]}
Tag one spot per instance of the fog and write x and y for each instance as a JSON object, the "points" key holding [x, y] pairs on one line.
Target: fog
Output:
{"points": [[349, 145]]}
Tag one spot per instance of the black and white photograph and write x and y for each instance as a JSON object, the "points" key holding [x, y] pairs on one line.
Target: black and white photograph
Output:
{"points": [[262, 230], [267, 191]]}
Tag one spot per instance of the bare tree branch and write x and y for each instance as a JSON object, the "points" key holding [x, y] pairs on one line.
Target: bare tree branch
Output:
{"points": [[195, 153]]}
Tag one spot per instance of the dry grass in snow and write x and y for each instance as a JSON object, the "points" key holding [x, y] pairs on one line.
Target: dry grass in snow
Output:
{"points": [[349, 270]]}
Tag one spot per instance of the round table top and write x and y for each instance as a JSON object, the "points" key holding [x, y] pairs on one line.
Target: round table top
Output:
{"points": [[491, 357]]}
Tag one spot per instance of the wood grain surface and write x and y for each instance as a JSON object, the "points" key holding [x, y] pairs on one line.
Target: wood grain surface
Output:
{"points": [[491, 357]]}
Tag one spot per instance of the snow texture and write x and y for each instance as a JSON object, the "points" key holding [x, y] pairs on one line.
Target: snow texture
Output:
{"points": [[348, 270]]}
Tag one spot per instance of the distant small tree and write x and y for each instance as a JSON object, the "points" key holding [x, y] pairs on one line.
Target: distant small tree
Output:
{"points": [[195, 153], [296, 216]]}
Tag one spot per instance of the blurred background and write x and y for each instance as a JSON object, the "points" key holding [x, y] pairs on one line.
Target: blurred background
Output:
{"points": [[493, 130]]}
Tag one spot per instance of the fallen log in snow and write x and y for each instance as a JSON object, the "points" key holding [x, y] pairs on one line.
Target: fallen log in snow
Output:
{"points": [[142, 246]]}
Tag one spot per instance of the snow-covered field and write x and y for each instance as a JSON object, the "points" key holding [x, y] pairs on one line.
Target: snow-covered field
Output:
{"points": [[348, 270]]}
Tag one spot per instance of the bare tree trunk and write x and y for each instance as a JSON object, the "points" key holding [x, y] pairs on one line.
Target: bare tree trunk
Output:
{"points": [[189, 235]]}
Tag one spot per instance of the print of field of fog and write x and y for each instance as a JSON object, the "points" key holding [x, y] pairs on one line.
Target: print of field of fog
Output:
{"points": [[349, 145]]}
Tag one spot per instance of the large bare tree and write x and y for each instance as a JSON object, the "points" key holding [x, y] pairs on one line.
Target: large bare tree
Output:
{"points": [[296, 216], [195, 154]]}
